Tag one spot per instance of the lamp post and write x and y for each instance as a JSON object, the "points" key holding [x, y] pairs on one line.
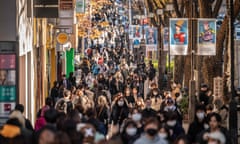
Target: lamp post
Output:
{"points": [[192, 82]]}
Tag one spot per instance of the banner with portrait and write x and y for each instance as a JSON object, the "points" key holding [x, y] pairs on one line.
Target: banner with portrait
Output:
{"points": [[135, 33], [151, 40], [178, 36], [165, 36], [206, 37]]}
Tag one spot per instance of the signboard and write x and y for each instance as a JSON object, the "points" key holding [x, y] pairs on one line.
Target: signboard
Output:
{"points": [[45, 8], [62, 38], [178, 36], [218, 87], [80, 6], [8, 91], [207, 36]]}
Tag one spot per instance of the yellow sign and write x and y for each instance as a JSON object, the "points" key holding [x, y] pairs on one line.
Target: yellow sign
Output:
{"points": [[62, 38]]}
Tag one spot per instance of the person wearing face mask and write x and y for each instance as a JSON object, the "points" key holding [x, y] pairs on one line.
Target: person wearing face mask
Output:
{"points": [[137, 118], [214, 121], [150, 135], [156, 98], [130, 132], [119, 110], [171, 106], [174, 125], [198, 125], [129, 97], [164, 132]]}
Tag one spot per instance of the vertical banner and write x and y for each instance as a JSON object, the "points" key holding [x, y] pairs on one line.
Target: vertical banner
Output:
{"points": [[151, 42], [178, 36], [135, 33], [8, 85], [165, 36], [80, 6], [207, 37]]}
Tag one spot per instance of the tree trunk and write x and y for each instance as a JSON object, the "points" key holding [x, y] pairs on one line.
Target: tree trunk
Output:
{"points": [[226, 75], [178, 69], [213, 65]]}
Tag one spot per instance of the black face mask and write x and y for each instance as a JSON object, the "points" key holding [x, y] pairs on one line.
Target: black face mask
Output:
{"points": [[177, 94], [151, 132]]}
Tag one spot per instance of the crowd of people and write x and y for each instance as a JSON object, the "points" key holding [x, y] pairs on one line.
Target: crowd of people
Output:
{"points": [[118, 104]]}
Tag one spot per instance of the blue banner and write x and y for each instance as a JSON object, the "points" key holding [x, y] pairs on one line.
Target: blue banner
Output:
{"points": [[178, 36]]}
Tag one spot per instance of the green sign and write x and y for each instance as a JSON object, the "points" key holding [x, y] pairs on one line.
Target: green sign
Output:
{"points": [[80, 6], [7, 93], [70, 61]]}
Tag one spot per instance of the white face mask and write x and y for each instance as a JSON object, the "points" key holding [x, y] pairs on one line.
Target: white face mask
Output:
{"points": [[131, 131], [155, 93], [171, 123], [206, 126], [171, 108], [136, 117], [162, 135], [120, 103], [200, 115]]}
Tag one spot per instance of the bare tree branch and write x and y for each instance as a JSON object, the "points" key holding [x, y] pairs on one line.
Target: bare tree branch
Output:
{"points": [[182, 8], [217, 8], [175, 4]]}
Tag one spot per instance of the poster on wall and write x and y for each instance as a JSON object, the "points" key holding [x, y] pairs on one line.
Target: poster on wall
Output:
{"points": [[207, 36], [135, 33], [178, 36], [165, 36]]}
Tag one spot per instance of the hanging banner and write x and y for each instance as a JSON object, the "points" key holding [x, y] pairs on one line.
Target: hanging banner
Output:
{"points": [[151, 42], [178, 36], [80, 6], [207, 36], [151, 37], [165, 35], [135, 33]]}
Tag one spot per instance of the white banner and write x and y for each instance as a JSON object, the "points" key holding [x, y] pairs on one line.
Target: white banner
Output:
{"points": [[206, 36]]}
